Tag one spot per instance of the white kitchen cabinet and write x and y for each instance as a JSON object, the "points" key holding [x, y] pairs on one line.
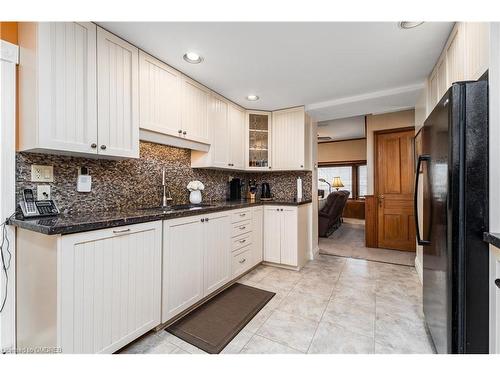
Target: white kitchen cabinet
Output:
{"points": [[258, 141], [194, 117], [217, 267], [288, 139], [220, 140], [57, 86], [455, 57], [196, 260], [477, 53], [91, 292], [118, 96], [442, 78], [494, 300], [183, 244], [257, 235], [160, 96], [78, 91], [236, 124], [285, 235]]}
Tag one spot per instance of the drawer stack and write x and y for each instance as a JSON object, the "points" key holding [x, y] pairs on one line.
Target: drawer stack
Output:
{"points": [[241, 241]]}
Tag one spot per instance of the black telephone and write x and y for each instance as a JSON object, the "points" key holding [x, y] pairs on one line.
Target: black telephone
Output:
{"points": [[31, 207]]}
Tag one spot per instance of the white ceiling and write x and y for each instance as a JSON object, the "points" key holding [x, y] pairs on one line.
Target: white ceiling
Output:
{"points": [[345, 128], [287, 64]]}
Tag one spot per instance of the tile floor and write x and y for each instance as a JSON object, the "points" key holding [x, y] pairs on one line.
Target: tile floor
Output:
{"points": [[349, 241], [333, 305]]}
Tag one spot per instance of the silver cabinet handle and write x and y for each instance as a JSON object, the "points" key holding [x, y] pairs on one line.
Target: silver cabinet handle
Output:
{"points": [[301, 166], [243, 241], [103, 147], [243, 261], [243, 215], [497, 283], [93, 145], [243, 227], [202, 220], [184, 132], [121, 231], [206, 219], [179, 131]]}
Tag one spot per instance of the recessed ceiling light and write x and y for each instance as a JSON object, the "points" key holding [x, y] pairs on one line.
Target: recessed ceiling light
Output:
{"points": [[192, 58], [252, 98], [409, 24]]}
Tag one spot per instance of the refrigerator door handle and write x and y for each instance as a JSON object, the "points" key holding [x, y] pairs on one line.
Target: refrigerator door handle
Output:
{"points": [[421, 158]]}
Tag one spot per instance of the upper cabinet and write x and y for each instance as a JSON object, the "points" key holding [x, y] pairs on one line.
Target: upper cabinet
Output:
{"points": [[67, 72], [465, 57], [288, 139], [194, 118], [258, 140], [236, 122], [160, 96], [118, 96]]}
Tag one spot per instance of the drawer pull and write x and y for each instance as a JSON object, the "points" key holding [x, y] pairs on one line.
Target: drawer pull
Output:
{"points": [[243, 215], [243, 227], [121, 231], [243, 260], [243, 241], [497, 283]]}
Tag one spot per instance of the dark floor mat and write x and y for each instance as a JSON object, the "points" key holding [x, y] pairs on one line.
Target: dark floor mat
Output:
{"points": [[214, 324]]}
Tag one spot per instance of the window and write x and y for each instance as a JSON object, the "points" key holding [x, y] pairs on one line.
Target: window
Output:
{"points": [[353, 177]]}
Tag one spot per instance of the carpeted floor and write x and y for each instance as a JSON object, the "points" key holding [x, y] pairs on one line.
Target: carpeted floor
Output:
{"points": [[349, 241]]}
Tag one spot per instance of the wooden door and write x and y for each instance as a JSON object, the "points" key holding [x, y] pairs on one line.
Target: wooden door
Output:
{"points": [[194, 111], [394, 178], [288, 139], [118, 96], [237, 137], [272, 234], [183, 244], [220, 132], [67, 91], [289, 245], [109, 288], [216, 257], [160, 100]]}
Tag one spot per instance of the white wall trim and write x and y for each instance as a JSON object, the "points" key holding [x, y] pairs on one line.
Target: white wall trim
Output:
{"points": [[418, 267], [9, 55]]}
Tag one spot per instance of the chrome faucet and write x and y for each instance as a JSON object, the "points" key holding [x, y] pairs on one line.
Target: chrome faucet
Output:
{"points": [[166, 198]]}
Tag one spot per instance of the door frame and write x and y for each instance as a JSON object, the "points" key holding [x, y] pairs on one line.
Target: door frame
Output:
{"points": [[375, 167]]}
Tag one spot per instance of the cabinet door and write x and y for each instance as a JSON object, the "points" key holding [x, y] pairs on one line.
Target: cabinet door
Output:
{"points": [[442, 78], [220, 143], [183, 244], [272, 234], [194, 111], [289, 246], [237, 137], [118, 96], [160, 96], [433, 90], [477, 41], [455, 58], [109, 291], [67, 96], [216, 259], [288, 139], [494, 300], [257, 233]]}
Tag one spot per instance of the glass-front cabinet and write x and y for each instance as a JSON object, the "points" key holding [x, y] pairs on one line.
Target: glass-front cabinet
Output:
{"points": [[258, 140]]}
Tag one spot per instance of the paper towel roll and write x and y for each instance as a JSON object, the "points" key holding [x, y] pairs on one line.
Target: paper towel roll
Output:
{"points": [[299, 188]]}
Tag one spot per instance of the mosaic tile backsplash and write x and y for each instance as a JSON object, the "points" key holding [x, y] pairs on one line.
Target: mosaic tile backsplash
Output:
{"points": [[136, 183]]}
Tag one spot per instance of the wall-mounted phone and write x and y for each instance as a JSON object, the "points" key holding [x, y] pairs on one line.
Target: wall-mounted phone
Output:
{"points": [[32, 207]]}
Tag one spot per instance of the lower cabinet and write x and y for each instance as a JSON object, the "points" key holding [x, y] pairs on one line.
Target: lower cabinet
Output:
{"points": [[91, 292], [196, 260], [285, 235], [257, 234], [494, 300]]}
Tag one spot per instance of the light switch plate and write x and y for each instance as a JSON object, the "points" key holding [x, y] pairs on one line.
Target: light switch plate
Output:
{"points": [[42, 173], [43, 192]]}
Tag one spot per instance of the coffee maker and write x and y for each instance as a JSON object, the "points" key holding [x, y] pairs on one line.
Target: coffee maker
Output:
{"points": [[235, 189]]}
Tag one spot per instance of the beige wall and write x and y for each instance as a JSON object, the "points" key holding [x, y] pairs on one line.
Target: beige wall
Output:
{"points": [[342, 151], [384, 121]]}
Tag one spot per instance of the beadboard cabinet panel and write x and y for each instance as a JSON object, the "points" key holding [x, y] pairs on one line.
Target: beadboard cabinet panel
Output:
{"points": [[216, 258], [220, 146], [455, 58], [477, 39], [160, 96], [494, 300], [118, 96], [109, 287], [272, 234], [288, 140], [194, 111], [58, 95], [236, 126], [289, 236], [257, 235]]}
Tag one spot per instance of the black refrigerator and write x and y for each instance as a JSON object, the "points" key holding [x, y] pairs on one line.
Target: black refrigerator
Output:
{"points": [[454, 172]]}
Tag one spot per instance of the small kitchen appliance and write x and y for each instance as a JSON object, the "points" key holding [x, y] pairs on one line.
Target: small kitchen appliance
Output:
{"points": [[235, 189], [265, 193]]}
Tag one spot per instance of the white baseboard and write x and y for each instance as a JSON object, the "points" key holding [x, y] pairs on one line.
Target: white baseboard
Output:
{"points": [[418, 267]]}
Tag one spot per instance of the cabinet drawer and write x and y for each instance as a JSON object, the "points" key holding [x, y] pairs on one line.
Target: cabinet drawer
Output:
{"points": [[242, 261], [241, 241], [241, 216], [242, 227]]}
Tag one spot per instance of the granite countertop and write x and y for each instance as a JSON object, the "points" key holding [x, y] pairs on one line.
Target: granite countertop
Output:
{"points": [[492, 238], [75, 223]]}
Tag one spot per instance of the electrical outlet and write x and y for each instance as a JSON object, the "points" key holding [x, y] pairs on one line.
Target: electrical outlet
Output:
{"points": [[43, 192], [42, 173]]}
